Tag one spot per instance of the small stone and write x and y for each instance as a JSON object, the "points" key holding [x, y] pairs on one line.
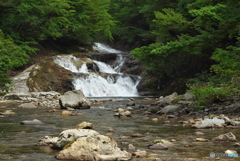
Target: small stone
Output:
{"points": [[137, 135], [129, 108], [85, 125], [131, 103], [121, 110], [201, 140], [230, 152], [155, 119], [237, 144], [131, 147], [110, 129], [166, 122], [170, 116], [199, 133], [140, 154], [66, 113]]}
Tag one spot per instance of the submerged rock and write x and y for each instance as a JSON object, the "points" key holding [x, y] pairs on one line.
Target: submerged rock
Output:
{"points": [[31, 122], [27, 106], [74, 99]]}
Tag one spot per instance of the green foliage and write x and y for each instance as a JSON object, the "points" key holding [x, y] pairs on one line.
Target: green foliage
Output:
{"points": [[29, 22], [194, 36], [206, 94], [39, 20], [11, 55]]}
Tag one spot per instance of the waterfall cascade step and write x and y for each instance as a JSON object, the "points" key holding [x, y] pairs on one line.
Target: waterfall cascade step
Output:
{"points": [[101, 80]]}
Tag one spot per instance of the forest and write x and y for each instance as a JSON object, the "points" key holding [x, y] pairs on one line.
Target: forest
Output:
{"points": [[186, 45]]}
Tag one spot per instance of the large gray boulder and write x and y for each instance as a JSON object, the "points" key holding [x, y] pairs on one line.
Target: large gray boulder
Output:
{"points": [[95, 148], [170, 109], [74, 99]]}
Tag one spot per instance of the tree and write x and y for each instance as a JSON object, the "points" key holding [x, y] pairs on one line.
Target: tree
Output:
{"points": [[193, 37], [11, 55], [28, 22]]}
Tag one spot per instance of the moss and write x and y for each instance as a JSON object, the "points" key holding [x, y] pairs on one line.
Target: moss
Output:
{"points": [[69, 144]]}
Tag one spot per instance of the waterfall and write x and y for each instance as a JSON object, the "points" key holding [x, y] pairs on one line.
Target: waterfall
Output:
{"points": [[106, 81]]}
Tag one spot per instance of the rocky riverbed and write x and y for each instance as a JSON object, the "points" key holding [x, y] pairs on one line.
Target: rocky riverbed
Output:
{"points": [[146, 128]]}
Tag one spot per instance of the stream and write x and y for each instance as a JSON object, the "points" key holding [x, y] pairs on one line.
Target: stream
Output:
{"points": [[17, 141]]}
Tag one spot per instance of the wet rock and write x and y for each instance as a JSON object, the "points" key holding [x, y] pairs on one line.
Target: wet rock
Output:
{"points": [[230, 152], [199, 133], [125, 113], [237, 145], [110, 129], [85, 125], [97, 147], [201, 140], [27, 106], [129, 108], [169, 99], [170, 109], [132, 103], [140, 154], [137, 135], [47, 141], [7, 113], [66, 113], [131, 147], [74, 99], [31, 122], [67, 136], [225, 137], [161, 145], [155, 119]]}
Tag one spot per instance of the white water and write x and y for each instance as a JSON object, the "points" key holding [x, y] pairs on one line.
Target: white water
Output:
{"points": [[109, 82]]}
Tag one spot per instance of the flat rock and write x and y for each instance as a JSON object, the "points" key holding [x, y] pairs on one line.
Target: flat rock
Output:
{"points": [[27, 106], [31, 122]]}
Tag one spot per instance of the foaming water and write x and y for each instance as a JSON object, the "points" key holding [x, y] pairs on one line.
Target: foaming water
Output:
{"points": [[106, 81]]}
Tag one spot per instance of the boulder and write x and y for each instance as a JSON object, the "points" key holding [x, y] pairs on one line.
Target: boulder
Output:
{"points": [[31, 122], [27, 106], [225, 137], [67, 136], [97, 147], [170, 109], [188, 96], [74, 99], [168, 99]]}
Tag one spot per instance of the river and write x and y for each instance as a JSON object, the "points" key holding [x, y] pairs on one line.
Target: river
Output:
{"points": [[17, 141]]}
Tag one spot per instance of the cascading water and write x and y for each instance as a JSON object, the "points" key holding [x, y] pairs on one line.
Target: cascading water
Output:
{"points": [[106, 81]]}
